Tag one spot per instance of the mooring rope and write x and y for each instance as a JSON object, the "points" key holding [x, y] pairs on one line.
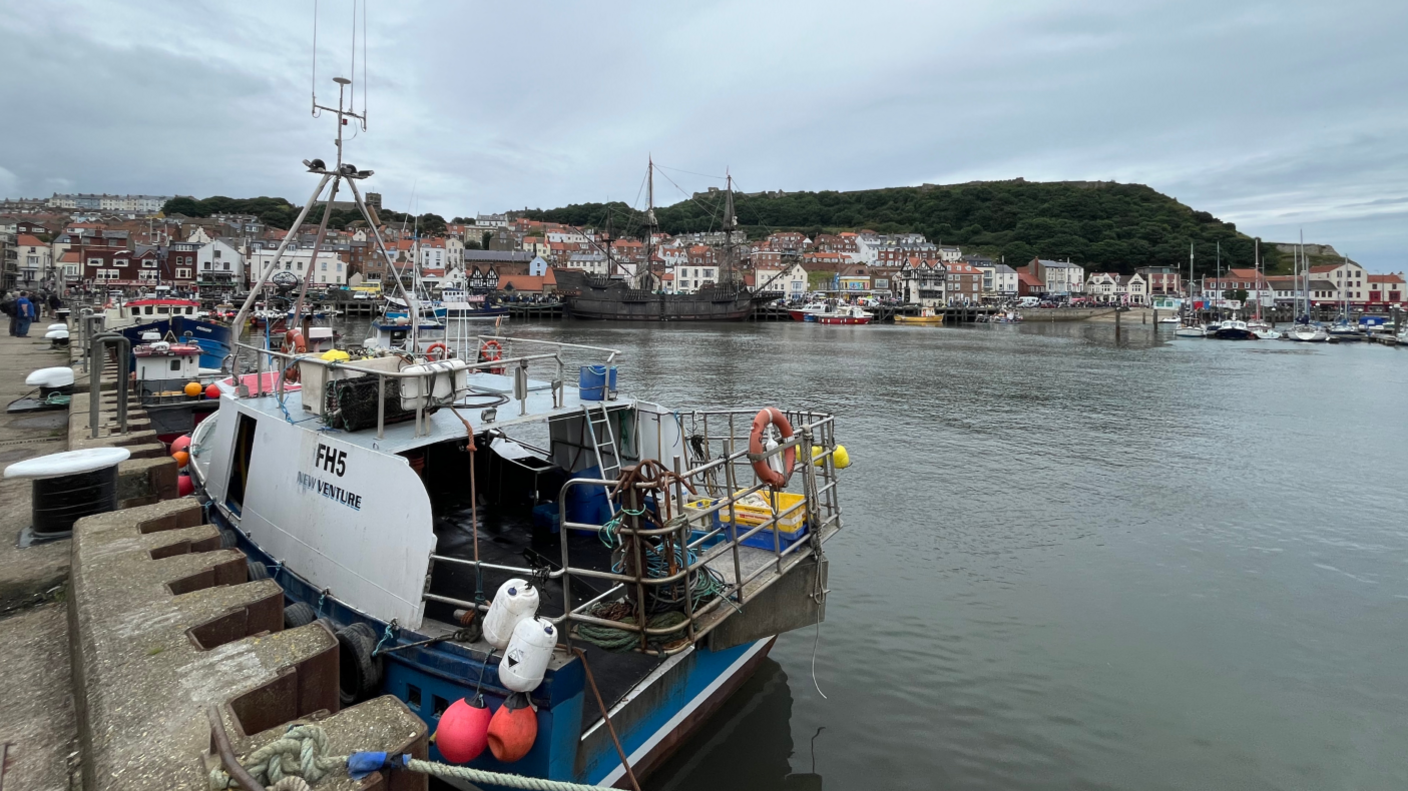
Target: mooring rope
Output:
{"points": [[296, 761]]}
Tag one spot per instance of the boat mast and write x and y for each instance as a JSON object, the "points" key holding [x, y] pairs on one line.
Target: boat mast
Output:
{"points": [[647, 281], [729, 223], [1256, 254]]}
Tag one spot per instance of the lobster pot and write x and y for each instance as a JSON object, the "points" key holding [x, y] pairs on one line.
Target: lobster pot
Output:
{"points": [[515, 601], [316, 378], [439, 382], [351, 404], [529, 650], [596, 382]]}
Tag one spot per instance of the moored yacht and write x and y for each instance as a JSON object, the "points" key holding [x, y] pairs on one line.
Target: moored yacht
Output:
{"points": [[1233, 330]]}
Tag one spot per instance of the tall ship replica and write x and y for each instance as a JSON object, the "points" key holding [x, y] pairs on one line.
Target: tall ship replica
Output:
{"points": [[561, 580], [618, 296]]}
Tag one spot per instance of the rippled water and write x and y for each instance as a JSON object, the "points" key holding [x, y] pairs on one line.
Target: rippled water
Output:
{"points": [[1071, 561]]}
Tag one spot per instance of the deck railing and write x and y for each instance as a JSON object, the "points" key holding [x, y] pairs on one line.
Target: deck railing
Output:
{"points": [[722, 469], [515, 366]]}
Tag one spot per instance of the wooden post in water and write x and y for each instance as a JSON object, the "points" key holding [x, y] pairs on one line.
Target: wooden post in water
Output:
{"points": [[1117, 322], [1156, 318]]}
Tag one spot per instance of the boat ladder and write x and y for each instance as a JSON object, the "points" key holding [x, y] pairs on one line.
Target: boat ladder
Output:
{"points": [[604, 450]]}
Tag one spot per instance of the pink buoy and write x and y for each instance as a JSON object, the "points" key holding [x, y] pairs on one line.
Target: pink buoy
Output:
{"points": [[212, 391], [182, 442], [184, 485], [463, 732]]}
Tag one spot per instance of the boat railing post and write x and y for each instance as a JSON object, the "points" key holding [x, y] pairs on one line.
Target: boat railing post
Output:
{"points": [[729, 481], [380, 406], [630, 502], [684, 549], [566, 566], [124, 363]]}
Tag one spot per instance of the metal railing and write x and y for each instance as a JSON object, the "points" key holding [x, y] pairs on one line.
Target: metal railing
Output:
{"points": [[706, 545], [554, 359]]}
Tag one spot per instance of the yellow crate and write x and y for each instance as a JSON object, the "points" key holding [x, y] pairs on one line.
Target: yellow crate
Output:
{"points": [[757, 515]]}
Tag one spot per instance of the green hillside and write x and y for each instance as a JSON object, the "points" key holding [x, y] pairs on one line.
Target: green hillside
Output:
{"points": [[1103, 225]]}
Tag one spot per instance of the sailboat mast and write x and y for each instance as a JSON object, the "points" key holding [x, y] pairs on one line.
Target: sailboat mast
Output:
{"points": [[1256, 254], [648, 281], [728, 230]]}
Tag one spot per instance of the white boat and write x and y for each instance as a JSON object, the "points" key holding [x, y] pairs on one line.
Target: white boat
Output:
{"points": [[1190, 331], [1307, 333], [355, 481], [1263, 330], [1170, 320]]}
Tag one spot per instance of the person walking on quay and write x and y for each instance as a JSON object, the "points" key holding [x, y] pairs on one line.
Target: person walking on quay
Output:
{"points": [[7, 306], [24, 315], [54, 304]]}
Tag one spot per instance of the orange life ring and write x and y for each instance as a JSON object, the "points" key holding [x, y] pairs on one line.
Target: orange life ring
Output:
{"points": [[294, 344], [429, 350], [491, 351], [771, 416]]}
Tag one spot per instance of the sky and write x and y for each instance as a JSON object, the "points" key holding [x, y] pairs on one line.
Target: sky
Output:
{"points": [[1282, 117]]}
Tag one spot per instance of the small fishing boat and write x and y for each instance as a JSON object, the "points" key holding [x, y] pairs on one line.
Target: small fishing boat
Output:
{"points": [[1344, 331], [849, 314], [1170, 320], [1191, 331], [927, 317], [809, 311], [181, 319], [171, 387]]}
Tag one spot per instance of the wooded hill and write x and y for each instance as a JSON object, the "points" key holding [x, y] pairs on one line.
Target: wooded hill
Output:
{"points": [[1104, 226]]}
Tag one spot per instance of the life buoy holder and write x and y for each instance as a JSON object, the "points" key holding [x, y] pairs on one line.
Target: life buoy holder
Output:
{"points": [[430, 351], [491, 351], [293, 344], [771, 416]]}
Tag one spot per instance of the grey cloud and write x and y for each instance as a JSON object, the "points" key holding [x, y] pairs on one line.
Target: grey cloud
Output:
{"points": [[1272, 115]]}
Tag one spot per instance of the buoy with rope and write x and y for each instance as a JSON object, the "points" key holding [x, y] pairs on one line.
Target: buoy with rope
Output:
{"points": [[432, 356], [491, 351]]}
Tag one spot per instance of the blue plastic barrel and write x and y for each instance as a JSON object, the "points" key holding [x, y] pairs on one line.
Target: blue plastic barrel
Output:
{"points": [[595, 381]]}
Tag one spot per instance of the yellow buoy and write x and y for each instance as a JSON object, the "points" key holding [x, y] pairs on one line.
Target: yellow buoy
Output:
{"points": [[839, 456], [193, 389], [336, 356]]}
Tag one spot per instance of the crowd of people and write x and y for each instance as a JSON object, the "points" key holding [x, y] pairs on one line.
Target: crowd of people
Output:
{"points": [[24, 308]]}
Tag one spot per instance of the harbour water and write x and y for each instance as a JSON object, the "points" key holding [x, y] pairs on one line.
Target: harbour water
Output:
{"points": [[1072, 561]]}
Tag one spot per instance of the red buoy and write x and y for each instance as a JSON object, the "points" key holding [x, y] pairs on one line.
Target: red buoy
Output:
{"points": [[182, 442], [184, 485], [513, 729], [212, 391], [463, 731]]}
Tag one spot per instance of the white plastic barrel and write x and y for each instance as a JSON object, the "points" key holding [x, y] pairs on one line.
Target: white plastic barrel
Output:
{"points": [[439, 381], [526, 659], [515, 601]]}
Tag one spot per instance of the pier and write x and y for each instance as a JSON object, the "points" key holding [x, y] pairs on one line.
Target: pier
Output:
{"points": [[140, 654]]}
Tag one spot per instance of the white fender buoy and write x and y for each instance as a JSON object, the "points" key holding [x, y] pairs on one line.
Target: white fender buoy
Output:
{"points": [[526, 659], [515, 601]]}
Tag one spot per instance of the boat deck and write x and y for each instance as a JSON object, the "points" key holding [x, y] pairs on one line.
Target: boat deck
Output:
{"points": [[442, 424]]}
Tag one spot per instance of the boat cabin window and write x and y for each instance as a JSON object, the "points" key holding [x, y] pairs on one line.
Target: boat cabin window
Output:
{"points": [[239, 467], [149, 310], [162, 311], [176, 365]]}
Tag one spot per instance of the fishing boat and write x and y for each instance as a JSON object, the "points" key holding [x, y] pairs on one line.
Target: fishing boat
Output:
{"points": [[846, 314], [620, 571], [170, 386], [1190, 331], [809, 311], [170, 317], [927, 317]]}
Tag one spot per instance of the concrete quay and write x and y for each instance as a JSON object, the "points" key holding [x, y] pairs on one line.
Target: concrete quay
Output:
{"points": [[110, 676]]}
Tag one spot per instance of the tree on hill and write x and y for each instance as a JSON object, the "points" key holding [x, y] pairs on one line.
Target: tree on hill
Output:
{"points": [[1102, 225]]}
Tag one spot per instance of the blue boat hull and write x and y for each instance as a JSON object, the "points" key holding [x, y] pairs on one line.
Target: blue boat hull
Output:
{"points": [[430, 678], [213, 339]]}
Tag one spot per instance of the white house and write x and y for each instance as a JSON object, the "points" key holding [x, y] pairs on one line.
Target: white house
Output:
{"points": [[219, 262], [33, 258], [792, 281], [327, 271], [924, 285], [1350, 280], [1112, 287]]}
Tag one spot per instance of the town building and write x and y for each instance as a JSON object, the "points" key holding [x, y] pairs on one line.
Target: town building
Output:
{"points": [[33, 260], [924, 283], [329, 271], [1386, 289], [1059, 278], [964, 282]]}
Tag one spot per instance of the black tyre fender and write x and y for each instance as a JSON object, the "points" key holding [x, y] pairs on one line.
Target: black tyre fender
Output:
{"points": [[257, 571], [359, 673], [228, 539], [298, 614]]}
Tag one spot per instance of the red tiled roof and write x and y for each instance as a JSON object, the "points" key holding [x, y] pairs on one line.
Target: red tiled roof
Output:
{"points": [[1389, 278], [29, 240]]}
